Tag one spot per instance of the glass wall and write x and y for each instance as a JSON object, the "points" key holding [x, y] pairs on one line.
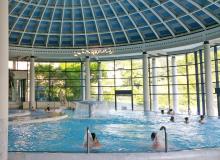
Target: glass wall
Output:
{"points": [[54, 79], [190, 81], [119, 75]]}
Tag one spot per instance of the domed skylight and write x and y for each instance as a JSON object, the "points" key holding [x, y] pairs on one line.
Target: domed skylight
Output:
{"points": [[106, 23]]}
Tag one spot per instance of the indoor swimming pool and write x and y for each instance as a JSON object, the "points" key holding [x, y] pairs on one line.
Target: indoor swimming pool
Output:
{"points": [[119, 132]]}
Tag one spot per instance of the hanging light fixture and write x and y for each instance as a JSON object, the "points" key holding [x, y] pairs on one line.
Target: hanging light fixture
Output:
{"points": [[92, 52]]}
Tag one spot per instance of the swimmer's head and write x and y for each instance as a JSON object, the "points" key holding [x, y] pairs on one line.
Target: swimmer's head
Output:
{"points": [[186, 119], [93, 136], [202, 117], [153, 135], [172, 118]]}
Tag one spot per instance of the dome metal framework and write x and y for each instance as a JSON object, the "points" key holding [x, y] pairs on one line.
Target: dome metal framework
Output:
{"points": [[106, 23]]}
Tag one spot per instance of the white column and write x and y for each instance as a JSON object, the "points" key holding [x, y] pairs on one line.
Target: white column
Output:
{"points": [[99, 82], [146, 82], [14, 89], [154, 82], [4, 80], [174, 85], [83, 80], [14, 65], [208, 80], [87, 69], [32, 84]]}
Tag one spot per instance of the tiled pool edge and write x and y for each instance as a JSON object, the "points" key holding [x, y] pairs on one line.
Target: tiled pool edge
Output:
{"points": [[200, 154]]}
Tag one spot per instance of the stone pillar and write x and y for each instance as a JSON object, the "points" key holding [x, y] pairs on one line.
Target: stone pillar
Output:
{"points": [[87, 80], [82, 80], [174, 85], [4, 80], [208, 80], [32, 104], [99, 82], [146, 83], [154, 82]]}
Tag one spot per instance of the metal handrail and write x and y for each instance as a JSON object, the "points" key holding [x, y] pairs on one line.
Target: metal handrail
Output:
{"points": [[165, 133], [87, 133]]}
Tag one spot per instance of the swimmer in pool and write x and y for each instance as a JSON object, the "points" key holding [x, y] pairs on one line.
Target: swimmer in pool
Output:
{"points": [[47, 109], [202, 121], [172, 119], [93, 141], [186, 120], [156, 142], [170, 111]]}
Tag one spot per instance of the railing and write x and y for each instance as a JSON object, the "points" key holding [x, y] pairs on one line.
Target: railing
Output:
{"points": [[165, 134], [87, 137]]}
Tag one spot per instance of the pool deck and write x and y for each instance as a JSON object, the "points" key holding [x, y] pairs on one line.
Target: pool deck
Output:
{"points": [[200, 154]]}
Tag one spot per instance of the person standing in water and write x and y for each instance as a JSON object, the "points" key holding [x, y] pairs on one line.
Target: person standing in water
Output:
{"points": [[202, 119], [186, 120], [157, 143], [92, 139], [172, 119]]}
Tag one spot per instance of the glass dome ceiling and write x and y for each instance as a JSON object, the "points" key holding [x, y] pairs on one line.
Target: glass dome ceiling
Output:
{"points": [[106, 23]]}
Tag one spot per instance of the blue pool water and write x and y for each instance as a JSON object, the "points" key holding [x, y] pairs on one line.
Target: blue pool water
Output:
{"points": [[121, 131]]}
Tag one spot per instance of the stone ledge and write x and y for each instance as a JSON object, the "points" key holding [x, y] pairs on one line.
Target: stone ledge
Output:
{"points": [[200, 154]]}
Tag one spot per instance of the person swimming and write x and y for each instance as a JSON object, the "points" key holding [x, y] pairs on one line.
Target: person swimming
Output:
{"points": [[93, 141], [156, 142], [186, 120], [172, 119], [170, 111], [47, 109], [202, 119]]}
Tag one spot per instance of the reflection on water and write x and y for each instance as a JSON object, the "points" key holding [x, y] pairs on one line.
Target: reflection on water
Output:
{"points": [[121, 131]]}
